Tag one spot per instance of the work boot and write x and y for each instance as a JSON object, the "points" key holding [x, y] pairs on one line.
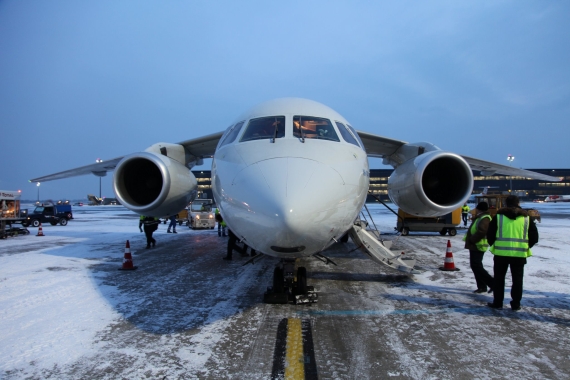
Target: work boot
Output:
{"points": [[226, 258], [148, 246], [153, 244], [175, 232], [494, 306], [515, 307], [168, 232]]}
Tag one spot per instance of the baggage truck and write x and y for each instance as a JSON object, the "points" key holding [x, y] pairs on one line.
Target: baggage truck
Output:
{"points": [[445, 224]]}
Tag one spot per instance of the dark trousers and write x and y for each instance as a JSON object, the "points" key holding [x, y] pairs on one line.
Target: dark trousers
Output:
{"points": [[148, 230], [464, 217], [482, 277], [221, 230], [172, 224], [500, 267], [233, 244]]}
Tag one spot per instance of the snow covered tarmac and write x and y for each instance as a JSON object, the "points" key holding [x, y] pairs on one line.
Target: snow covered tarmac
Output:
{"points": [[67, 312]]}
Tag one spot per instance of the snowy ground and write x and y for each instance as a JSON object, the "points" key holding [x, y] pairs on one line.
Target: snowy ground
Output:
{"points": [[67, 312]]}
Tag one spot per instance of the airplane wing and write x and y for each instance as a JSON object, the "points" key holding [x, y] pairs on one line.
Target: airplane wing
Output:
{"points": [[99, 169], [490, 168], [382, 147], [379, 146], [201, 147]]}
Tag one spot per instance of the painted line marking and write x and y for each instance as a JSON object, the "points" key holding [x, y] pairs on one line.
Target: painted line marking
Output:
{"points": [[391, 312], [294, 354], [294, 361]]}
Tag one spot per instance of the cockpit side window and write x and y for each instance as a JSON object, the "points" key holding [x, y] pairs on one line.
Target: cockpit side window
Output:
{"points": [[232, 134], [356, 135], [346, 135], [264, 128], [311, 127]]}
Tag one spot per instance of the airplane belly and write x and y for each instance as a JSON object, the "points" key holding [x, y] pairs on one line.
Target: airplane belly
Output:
{"points": [[288, 206]]}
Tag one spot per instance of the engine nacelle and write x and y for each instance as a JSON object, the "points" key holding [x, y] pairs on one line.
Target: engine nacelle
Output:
{"points": [[153, 184], [431, 184]]}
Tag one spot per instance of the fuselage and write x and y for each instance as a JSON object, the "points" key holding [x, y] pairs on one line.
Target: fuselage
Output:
{"points": [[290, 176]]}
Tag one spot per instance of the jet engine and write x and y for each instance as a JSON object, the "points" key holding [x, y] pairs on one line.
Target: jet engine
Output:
{"points": [[432, 184], [153, 184]]}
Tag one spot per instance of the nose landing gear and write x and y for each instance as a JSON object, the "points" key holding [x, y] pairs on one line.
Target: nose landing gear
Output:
{"points": [[290, 285]]}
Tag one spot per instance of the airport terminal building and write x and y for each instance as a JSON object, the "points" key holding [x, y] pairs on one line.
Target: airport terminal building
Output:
{"points": [[526, 188]]}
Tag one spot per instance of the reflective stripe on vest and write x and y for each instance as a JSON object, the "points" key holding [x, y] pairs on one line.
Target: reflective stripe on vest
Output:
{"points": [[512, 237], [482, 245]]}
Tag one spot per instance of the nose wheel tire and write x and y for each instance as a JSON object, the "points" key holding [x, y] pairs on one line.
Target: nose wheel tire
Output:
{"points": [[278, 280], [301, 280]]}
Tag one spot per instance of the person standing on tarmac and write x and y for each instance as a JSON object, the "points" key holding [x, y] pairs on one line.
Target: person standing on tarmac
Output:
{"points": [[232, 244], [172, 224], [476, 242], [511, 235], [464, 213], [221, 223], [150, 225]]}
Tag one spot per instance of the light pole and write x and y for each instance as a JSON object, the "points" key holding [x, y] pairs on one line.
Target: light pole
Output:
{"points": [[511, 158], [38, 186], [98, 161]]}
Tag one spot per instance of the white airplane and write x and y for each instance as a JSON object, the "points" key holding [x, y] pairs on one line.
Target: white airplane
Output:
{"points": [[557, 198], [290, 177]]}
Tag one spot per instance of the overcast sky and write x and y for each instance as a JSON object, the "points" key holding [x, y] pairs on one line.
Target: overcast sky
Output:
{"points": [[81, 80]]}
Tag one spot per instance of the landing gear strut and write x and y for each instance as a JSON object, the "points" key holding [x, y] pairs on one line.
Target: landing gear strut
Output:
{"points": [[290, 285]]}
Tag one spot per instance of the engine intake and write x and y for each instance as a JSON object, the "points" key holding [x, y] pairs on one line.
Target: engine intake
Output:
{"points": [[153, 184], [431, 184]]}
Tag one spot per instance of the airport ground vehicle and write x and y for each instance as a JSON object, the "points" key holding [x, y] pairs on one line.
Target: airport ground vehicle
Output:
{"points": [[181, 217], [497, 201], [11, 214], [200, 214], [445, 224], [49, 213]]}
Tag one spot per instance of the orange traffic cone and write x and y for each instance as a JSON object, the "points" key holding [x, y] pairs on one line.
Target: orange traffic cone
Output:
{"points": [[448, 264], [40, 231], [128, 259]]}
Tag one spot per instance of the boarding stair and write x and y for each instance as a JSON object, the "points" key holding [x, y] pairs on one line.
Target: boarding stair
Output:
{"points": [[369, 241]]}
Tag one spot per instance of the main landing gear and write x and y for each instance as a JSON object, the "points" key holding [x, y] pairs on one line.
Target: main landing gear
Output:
{"points": [[290, 285]]}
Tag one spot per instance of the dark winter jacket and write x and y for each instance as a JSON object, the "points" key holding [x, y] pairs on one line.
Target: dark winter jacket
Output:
{"points": [[481, 233], [512, 213]]}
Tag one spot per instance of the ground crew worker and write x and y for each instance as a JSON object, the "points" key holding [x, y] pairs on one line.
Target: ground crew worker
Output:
{"points": [[232, 244], [511, 235], [150, 225], [172, 224], [464, 213], [476, 242], [221, 223]]}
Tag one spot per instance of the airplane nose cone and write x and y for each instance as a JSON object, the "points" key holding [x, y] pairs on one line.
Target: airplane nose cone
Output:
{"points": [[301, 199]]}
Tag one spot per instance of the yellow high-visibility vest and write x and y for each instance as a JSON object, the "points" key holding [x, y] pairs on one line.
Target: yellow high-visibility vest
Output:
{"points": [[482, 245], [512, 237]]}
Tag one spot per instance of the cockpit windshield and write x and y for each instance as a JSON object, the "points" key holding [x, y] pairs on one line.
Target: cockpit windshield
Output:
{"points": [[264, 128], [310, 127]]}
